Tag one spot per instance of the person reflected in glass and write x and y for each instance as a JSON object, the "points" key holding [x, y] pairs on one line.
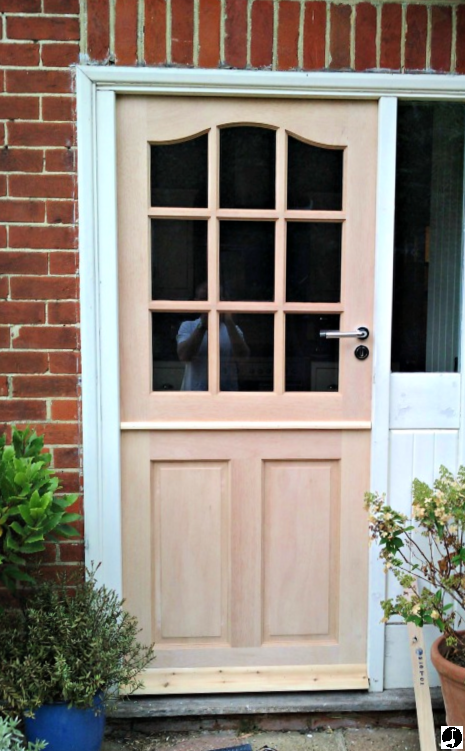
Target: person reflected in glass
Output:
{"points": [[192, 347]]}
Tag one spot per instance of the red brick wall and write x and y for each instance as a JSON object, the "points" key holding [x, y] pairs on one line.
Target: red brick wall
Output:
{"points": [[279, 34], [39, 315]]}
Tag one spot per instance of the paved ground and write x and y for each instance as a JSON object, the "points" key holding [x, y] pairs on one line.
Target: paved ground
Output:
{"points": [[351, 739]]}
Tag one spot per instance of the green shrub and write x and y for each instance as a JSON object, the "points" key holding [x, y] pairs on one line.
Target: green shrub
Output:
{"points": [[68, 644], [30, 512], [12, 739], [426, 554]]}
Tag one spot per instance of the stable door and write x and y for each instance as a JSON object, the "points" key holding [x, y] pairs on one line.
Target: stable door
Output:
{"points": [[246, 253]]}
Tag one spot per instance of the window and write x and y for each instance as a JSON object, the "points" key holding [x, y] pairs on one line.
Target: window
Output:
{"points": [[428, 237], [230, 230]]}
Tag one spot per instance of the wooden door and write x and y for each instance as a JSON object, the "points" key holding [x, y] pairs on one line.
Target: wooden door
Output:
{"points": [[245, 229]]}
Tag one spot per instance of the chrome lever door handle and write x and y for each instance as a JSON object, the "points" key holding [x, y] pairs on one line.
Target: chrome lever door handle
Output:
{"points": [[361, 333]]}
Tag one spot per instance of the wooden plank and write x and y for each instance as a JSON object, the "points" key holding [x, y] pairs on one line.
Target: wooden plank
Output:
{"points": [[236, 680], [399, 491], [421, 687]]}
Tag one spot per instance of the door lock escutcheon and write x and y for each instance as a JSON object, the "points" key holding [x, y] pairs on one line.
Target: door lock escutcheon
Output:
{"points": [[361, 352]]}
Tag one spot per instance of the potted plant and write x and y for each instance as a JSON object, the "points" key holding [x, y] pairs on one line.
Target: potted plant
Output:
{"points": [[65, 653], [12, 739], [426, 554], [31, 512]]}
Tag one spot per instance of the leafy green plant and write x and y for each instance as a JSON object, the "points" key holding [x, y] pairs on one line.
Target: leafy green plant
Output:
{"points": [[12, 739], [426, 554], [30, 511], [69, 643]]}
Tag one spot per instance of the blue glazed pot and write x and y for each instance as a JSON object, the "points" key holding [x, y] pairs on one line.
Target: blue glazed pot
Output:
{"points": [[67, 729]]}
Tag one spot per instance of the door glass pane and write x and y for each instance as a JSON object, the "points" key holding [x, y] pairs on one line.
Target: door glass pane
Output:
{"points": [[312, 363], [179, 173], [314, 177], [179, 351], [247, 168], [313, 262], [428, 237], [179, 258], [246, 352], [247, 260]]}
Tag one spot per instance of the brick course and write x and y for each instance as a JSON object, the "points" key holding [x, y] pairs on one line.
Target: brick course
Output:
{"points": [[288, 35], [41, 42]]}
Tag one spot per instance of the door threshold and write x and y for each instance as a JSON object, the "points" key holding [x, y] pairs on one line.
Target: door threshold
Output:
{"points": [[209, 705]]}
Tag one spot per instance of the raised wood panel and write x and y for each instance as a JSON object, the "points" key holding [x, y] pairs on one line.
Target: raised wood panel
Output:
{"points": [[298, 512], [191, 551]]}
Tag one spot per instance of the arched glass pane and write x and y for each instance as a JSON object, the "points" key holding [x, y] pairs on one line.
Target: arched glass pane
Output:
{"points": [[247, 168], [314, 177], [313, 262], [179, 173]]}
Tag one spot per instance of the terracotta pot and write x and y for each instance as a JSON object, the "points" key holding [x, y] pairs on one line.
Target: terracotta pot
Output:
{"points": [[452, 683]]}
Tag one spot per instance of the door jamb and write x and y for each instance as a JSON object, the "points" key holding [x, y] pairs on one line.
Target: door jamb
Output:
{"points": [[97, 88]]}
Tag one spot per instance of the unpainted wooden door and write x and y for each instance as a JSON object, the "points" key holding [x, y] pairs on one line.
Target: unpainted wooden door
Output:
{"points": [[246, 229]]}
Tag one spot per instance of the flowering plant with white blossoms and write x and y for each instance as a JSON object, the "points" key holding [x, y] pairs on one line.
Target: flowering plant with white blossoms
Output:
{"points": [[426, 554]]}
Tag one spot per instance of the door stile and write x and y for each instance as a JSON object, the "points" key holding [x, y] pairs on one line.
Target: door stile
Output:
{"points": [[137, 527], [246, 553]]}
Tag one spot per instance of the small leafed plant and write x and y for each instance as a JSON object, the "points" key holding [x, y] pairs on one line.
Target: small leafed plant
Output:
{"points": [[71, 641], [426, 554], [30, 511], [12, 739]]}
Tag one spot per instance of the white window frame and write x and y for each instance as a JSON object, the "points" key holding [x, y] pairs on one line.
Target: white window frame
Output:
{"points": [[97, 88]]}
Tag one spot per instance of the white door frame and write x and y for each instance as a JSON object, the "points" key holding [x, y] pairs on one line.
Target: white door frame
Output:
{"points": [[97, 88]]}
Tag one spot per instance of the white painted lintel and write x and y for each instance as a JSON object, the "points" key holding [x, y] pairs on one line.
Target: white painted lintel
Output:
{"points": [[203, 82]]}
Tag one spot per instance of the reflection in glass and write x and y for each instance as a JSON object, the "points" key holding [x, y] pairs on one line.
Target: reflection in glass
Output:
{"points": [[247, 168], [313, 262], [179, 258], [428, 237], [312, 363], [314, 177], [179, 173], [253, 361], [247, 260], [179, 352]]}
